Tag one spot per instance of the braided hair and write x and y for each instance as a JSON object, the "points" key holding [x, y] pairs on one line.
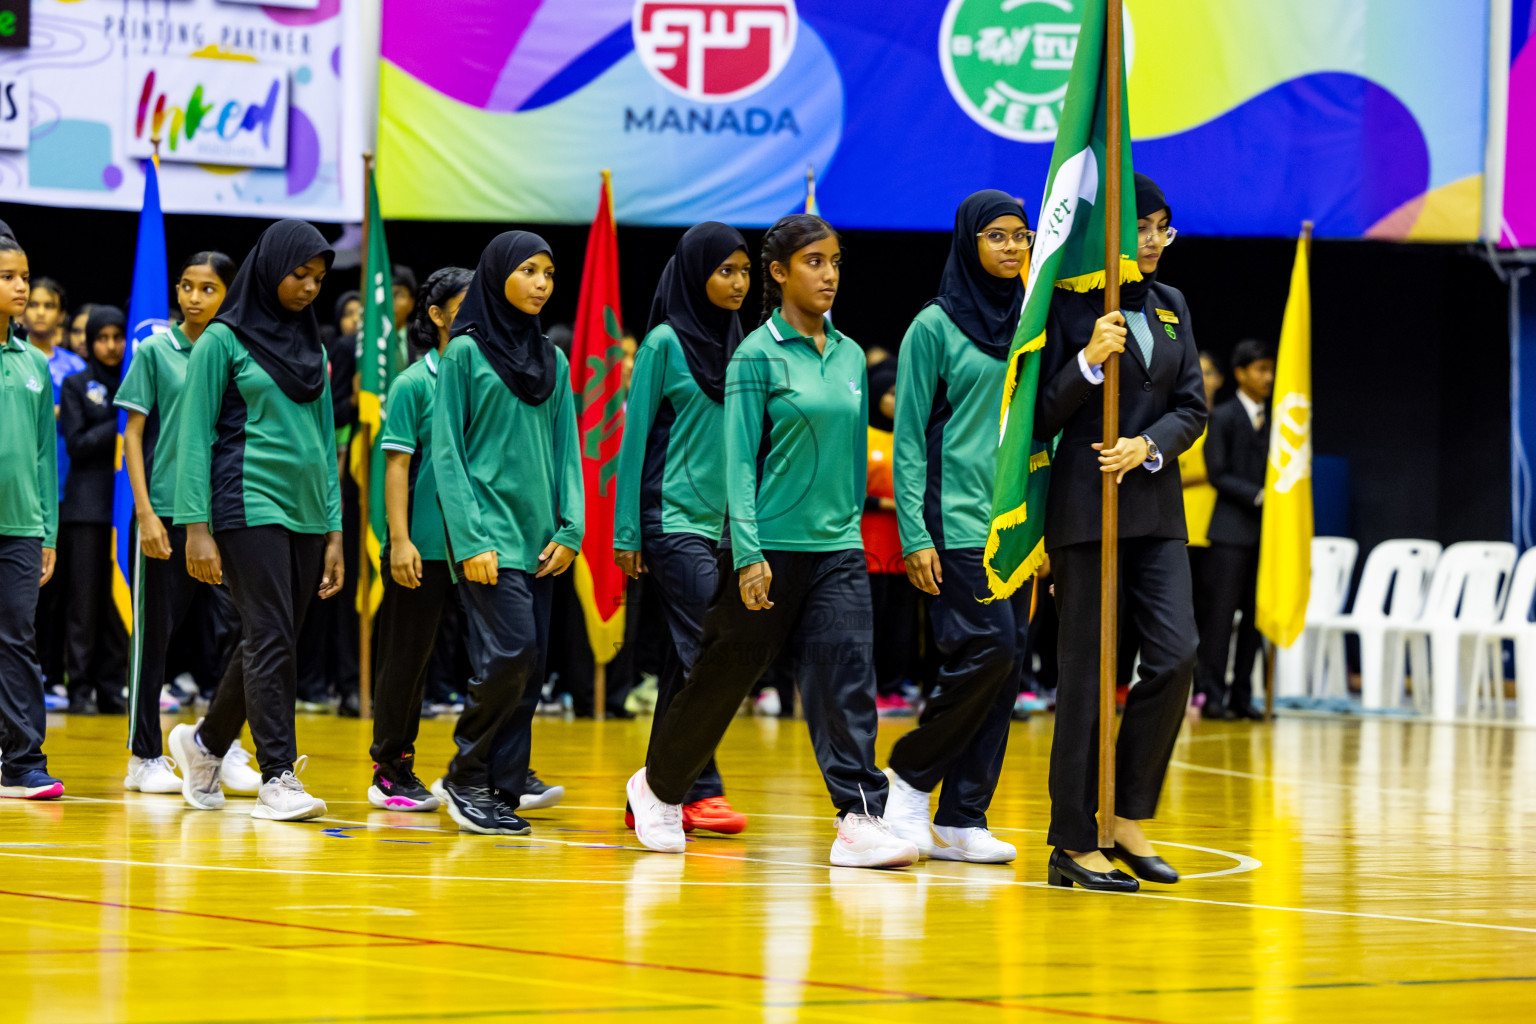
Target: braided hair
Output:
{"points": [[443, 285], [787, 236]]}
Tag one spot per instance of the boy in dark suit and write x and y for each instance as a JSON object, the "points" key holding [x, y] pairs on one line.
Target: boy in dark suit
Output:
{"points": [[1236, 451]]}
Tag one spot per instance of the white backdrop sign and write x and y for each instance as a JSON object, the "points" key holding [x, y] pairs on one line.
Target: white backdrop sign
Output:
{"points": [[265, 104], [14, 105]]}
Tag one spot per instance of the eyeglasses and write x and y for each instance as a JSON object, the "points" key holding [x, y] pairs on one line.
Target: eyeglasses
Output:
{"points": [[997, 239], [1144, 235]]}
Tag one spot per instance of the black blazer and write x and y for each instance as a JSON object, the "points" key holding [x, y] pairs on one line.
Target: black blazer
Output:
{"points": [[1167, 404], [88, 421], [1235, 455]]}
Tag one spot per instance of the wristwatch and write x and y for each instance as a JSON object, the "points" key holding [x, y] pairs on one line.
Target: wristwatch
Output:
{"points": [[1152, 452]]}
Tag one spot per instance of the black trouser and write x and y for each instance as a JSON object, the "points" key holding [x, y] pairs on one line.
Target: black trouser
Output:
{"points": [[449, 670], [1156, 600], [898, 628], [49, 621], [821, 610], [95, 639], [23, 719], [508, 628], [274, 575], [163, 596], [963, 732], [684, 569], [1230, 578], [404, 632]]}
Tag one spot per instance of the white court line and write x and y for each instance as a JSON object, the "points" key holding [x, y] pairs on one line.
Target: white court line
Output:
{"points": [[1352, 787]]}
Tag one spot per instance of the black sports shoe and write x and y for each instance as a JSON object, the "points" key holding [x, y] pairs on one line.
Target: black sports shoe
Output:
{"points": [[475, 808], [396, 788], [507, 818], [537, 795]]}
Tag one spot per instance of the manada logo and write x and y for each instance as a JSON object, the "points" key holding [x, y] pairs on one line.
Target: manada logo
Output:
{"points": [[1007, 61], [715, 51]]}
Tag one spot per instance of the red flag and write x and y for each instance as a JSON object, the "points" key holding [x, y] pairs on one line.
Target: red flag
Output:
{"points": [[597, 355]]}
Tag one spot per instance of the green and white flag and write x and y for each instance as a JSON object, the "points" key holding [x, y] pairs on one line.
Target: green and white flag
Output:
{"points": [[1068, 253], [377, 364]]}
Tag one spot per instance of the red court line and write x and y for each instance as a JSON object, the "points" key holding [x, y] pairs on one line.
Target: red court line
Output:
{"points": [[606, 961], [97, 950]]}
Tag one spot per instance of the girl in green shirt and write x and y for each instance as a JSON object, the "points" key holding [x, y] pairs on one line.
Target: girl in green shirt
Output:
{"points": [[949, 389], [795, 462], [508, 467], [164, 593], [257, 491], [671, 495]]}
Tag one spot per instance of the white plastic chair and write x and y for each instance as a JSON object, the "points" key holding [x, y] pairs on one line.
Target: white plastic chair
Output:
{"points": [[1395, 570], [1515, 624], [1333, 565], [1466, 596]]}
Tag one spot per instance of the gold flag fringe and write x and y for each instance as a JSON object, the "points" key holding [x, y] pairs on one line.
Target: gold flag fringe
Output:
{"points": [[1129, 271]]}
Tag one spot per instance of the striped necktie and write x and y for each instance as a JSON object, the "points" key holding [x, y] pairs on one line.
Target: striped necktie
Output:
{"points": [[1138, 324]]}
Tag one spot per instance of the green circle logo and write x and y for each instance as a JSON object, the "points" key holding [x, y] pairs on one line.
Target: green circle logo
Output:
{"points": [[1007, 62]]}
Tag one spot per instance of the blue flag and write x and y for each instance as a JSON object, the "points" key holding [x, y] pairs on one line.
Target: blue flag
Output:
{"points": [[148, 313]]}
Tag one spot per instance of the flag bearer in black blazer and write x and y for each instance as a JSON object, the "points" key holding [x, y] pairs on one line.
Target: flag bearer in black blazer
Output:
{"points": [[1162, 412], [1236, 450]]}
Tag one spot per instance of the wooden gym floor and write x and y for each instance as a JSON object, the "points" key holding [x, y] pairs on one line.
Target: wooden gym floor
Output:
{"points": [[1336, 870]]}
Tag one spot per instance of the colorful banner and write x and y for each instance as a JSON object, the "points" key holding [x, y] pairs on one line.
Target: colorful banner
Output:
{"points": [[253, 104], [1367, 118], [1519, 226]]}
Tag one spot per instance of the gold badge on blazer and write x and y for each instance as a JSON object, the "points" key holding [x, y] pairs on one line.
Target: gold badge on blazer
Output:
{"points": [[1167, 316]]}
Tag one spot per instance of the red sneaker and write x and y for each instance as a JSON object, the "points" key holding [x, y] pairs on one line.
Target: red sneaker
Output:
{"points": [[629, 819], [713, 814]]}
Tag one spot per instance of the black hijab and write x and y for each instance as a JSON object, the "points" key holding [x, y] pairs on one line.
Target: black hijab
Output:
{"points": [[882, 377], [284, 343], [341, 307], [1149, 199], [709, 334], [984, 307], [109, 376], [511, 340], [6, 232]]}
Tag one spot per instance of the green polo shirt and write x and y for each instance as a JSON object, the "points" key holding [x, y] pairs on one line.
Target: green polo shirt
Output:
{"points": [[248, 455], [153, 386], [508, 473], [807, 414], [29, 449], [949, 397], [408, 428], [671, 462]]}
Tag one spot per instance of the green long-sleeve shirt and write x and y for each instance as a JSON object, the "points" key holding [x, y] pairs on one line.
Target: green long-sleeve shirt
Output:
{"points": [[153, 386], [508, 473], [671, 462], [248, 455], [408, 429], [810, 413], [29, 450], [949, 397]]}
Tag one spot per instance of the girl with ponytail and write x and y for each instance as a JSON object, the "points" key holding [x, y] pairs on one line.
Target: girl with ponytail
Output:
{"points": [[796, 391]]}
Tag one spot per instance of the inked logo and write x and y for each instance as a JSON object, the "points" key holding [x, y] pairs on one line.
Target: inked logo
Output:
{"points": [[1007, 62], [714, 50]]}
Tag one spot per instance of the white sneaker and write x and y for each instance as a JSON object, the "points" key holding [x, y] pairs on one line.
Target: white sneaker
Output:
{"points": [[237, 775], [157, 775], [973, 845], [658, 826], [200, 783], [866, 841], [284, 799], [769, 705], [439, 792], [906, 813]]}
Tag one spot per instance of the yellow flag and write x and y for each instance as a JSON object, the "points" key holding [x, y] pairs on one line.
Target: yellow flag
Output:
{"points": [[1285, 546]]}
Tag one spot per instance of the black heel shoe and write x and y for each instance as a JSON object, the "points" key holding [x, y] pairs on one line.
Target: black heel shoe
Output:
{"points": [[1061, 870], [1148, 869]]}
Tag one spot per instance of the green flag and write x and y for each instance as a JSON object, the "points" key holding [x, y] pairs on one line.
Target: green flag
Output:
{"points": [[377, 363], [1068, 253]]}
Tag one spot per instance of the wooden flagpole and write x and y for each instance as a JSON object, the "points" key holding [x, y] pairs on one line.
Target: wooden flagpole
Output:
{"points": [[1109, 542], [364, 563]]}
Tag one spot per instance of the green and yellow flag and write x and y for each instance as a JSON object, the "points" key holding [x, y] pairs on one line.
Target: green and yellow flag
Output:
{"points": [[1285, 543], [1068, 253], [377, 363]]}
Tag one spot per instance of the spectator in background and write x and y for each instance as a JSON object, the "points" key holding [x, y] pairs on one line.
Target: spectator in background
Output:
{"points": [[1200, 497], [893, 600], [76, 342], [403, 292], [96, 645], [43, 320], [1236, 451]]}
